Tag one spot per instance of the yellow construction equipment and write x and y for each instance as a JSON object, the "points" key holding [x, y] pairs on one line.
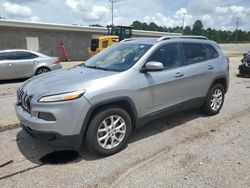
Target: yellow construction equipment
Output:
{"points": [[115, 35]]}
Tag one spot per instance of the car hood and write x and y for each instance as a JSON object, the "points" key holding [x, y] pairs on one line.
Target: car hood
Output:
{"points": [[63, 80]]}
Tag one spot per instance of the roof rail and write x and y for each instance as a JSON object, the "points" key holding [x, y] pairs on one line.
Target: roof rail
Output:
{"points": [[126, 40], [182, 37]]}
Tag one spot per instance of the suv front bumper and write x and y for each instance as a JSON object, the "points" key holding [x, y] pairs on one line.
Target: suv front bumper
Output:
{"points": [[55, 139], [65, 131]]}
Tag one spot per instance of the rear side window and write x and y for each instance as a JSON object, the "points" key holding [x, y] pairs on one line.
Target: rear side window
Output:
{"points": [[168, 55], [19, 55], [194, 53], [211, 52]]}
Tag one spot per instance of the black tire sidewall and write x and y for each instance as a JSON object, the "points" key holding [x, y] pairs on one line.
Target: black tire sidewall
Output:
{"points": [[91, 136], [40, 69], [207, 107]]}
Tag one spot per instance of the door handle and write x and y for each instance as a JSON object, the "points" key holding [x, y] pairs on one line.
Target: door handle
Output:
{"points": [[10, 64], [178, 74], [210, 67]]}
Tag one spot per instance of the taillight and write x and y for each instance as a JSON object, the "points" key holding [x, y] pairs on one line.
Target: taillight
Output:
{"points": [[228, 60], [57, 61]]}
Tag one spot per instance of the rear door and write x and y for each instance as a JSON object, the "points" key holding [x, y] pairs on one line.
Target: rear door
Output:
{"points": [[7, 67], [25, 63], [198, 71]]}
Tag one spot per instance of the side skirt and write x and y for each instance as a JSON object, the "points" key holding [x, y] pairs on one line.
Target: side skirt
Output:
{"points": [[190, 104]]}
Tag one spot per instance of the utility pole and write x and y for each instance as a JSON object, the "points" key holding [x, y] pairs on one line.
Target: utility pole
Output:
{"points": [[183, 24], [112, 7], [237, 29]]}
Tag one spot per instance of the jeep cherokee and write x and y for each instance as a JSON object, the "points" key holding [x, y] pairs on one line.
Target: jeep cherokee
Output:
{"points": [[125, 86]]}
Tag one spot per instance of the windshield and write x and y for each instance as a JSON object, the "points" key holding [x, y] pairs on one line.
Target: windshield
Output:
{"points": [[118, 57]]}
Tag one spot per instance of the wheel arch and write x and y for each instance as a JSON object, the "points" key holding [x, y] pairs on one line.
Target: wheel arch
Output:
{"points": [[43, 66], [219, 80], [123, 102]]}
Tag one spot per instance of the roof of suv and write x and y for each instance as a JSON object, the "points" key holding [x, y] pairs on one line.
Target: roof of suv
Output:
{"points": [[152, 41]]}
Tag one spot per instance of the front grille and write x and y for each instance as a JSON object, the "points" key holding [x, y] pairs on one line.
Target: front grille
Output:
{"points": [[24, 100]]}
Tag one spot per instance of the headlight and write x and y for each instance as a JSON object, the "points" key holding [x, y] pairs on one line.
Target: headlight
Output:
{"points": [[62, 96]]}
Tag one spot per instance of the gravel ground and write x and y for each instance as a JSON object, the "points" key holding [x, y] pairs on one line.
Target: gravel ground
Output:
{"points": [[188, 149], [8, 88]]}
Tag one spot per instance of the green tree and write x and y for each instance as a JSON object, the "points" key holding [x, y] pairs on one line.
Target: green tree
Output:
{"points": [[187, 30], [197, 28], [137, 25], [96, 25], [216, 35], [144, 26], [153, 27]]}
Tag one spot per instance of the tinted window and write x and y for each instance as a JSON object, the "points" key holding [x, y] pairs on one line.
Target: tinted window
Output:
{"points": [[7, 55], [24, 55], [168, 55], [194, 53], [211, 52]]}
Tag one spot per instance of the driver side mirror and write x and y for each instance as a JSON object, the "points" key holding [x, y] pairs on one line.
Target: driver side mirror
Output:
{"points": [[152, 66]]}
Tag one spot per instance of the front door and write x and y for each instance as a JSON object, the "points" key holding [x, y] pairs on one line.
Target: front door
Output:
{"points": [[162, 89]]}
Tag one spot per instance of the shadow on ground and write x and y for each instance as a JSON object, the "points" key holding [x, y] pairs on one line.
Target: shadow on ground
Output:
{"points": [[12, 81], [40, 153]]}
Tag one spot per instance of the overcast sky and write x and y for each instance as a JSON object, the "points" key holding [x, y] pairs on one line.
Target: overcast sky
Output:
{"points": [[219, 14]]}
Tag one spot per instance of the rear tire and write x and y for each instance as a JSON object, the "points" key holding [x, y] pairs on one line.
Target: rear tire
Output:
{"points": [[109, 131], [42, 70], [214, 100]]}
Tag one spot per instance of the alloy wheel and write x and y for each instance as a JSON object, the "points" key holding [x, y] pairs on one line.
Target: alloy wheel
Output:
{"points": [[43, 70], [216, 99], [111, 132]]}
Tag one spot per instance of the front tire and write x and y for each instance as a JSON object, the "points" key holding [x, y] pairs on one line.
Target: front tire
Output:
{"points": [[109, 131], [214, 100]]}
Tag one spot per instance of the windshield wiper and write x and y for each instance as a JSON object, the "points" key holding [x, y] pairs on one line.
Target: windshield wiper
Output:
{"points": [[96, 67]]}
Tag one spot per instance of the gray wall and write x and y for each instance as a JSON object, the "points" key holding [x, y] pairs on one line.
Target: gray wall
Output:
{"points": [[76, 42]]}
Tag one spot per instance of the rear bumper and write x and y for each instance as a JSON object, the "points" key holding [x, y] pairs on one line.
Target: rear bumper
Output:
{"points": [[55, 139], [55, 67]]}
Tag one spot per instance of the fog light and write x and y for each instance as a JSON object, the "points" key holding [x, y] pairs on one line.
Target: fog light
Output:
{"points": [[46, 116]]}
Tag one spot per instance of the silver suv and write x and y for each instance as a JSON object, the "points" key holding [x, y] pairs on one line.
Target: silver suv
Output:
{"points": [[122, 88]]}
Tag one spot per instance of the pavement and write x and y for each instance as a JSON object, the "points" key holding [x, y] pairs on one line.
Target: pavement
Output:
{"points": [[188, 149]]}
